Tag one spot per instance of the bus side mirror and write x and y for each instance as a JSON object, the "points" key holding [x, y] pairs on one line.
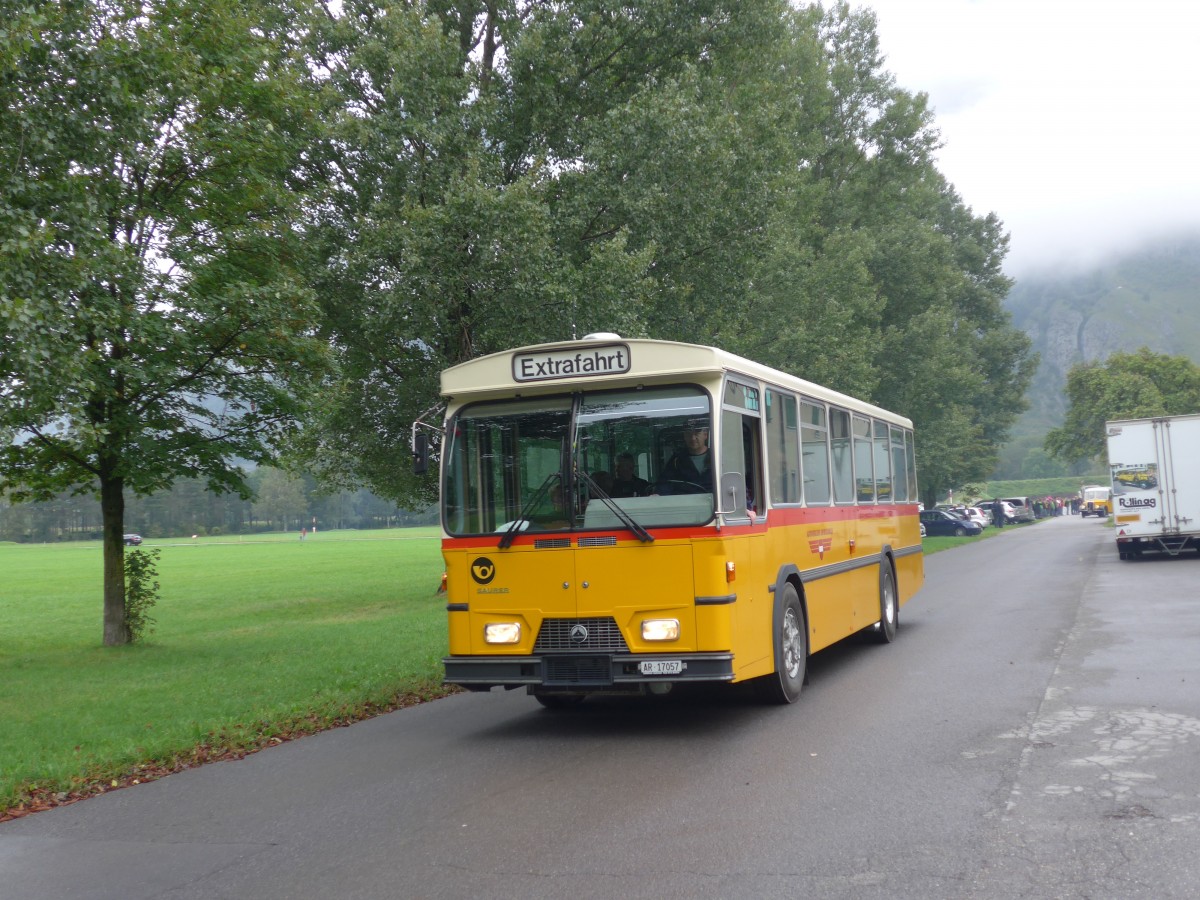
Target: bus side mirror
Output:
{"points": [[420, 451]]}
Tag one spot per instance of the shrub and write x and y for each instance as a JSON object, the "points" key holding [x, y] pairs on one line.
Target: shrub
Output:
{"points": [[141, 592]]}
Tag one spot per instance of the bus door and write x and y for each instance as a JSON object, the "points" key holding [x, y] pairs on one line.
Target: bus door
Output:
{"points": [[742, 500]]}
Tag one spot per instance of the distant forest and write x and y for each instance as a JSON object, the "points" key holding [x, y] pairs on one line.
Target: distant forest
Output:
{"points": [[282, 502]]}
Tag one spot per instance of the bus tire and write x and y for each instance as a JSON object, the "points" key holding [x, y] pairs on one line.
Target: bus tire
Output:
{"points": [[889, 604], [791, 650]]}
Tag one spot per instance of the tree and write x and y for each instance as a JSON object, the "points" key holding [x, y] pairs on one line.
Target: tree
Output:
{"points": [[743, 173], [879, 280], [153, 322], [280, 498], [517, 172], [1125, 386]]}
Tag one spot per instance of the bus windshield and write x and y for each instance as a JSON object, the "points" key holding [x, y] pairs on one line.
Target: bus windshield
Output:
{"points": [[518, 465]]}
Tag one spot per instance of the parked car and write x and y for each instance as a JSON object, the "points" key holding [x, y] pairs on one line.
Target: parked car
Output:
{"points": [[1010, 512], [979, 516], [132, 540], [1022, 509], [940, 522]]}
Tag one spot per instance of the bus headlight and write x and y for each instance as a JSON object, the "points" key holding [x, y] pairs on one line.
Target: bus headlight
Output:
{"points": [[502, 632], [660, 629]]}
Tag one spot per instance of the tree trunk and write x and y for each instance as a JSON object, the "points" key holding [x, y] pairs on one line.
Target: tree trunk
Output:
{"points": [[112, 512]]}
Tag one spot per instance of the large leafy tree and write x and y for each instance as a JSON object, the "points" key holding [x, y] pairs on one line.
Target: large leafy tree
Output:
{"points": [[879, 280], [510, 172], [1125, 386], [746, 174], [152, 321]]}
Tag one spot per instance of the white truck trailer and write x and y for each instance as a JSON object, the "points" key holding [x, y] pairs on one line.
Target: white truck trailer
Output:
{"points": [[1155, 466]]}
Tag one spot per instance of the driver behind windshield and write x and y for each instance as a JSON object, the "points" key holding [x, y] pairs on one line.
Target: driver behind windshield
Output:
{"points": [[689, 471]]}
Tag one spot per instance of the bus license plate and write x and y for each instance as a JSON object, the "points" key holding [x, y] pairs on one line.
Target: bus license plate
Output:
{"points": [[661, 667]]}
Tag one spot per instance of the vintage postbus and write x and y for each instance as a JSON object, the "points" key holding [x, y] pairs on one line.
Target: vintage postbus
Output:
{"points": [[628, 515], [1095, 500]]}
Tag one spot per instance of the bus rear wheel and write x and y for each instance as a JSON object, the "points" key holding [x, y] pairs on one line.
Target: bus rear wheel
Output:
{"points": [[791, 651], [889, 606]]}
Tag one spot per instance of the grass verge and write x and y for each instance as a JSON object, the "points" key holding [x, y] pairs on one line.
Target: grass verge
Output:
{"points": [[256, 642]]}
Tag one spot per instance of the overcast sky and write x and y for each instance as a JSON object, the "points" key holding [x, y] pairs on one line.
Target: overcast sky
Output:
{"points": [[1076, 121]]}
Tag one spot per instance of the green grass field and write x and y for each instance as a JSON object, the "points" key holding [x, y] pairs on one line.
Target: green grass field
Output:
{"points": [[252, 637]]}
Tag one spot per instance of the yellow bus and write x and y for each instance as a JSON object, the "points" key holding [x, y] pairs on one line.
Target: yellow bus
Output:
{"points": [[621, 516], [1095, 500]]}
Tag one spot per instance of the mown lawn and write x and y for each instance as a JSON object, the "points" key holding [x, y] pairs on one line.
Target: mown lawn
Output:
{"points": [[253, 638]]}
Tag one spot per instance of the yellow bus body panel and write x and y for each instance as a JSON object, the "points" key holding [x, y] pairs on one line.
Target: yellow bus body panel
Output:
{"points": [[718, 585]]}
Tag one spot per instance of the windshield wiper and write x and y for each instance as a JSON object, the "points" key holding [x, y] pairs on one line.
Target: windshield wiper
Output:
{"points": [[630, 522], [531, 504]]}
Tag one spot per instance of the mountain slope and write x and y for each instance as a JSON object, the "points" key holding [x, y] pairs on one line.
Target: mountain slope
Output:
{"points": [[1149, 298]]}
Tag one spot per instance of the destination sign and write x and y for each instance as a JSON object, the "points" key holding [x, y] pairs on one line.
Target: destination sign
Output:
{"points": [[548, 365]]}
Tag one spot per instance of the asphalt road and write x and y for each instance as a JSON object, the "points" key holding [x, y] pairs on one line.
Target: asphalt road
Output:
{"points": [[1034, 732]]}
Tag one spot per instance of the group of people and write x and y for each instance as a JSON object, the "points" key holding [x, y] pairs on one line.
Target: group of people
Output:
{"points": [[1050, 506]]}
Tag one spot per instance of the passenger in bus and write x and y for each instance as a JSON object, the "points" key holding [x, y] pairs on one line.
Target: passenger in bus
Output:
{"points": [[553, 513], [625, 482], [689, 471], [603, 481]]}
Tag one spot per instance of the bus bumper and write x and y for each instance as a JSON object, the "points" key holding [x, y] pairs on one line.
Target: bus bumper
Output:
{"points": [[587, 671]]}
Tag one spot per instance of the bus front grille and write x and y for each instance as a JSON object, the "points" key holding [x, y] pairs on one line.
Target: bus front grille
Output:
{"points": [[584, 635], [578, 670]]}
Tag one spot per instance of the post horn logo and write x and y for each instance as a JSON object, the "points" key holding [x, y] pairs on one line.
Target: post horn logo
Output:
{"points": [[483, 570]]}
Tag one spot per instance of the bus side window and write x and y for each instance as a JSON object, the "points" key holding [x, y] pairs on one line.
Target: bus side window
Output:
{"points": [[899, 480], [814, 441], [910, 465], [883, 464], [840, 453], [783, 448], [864, 469]]}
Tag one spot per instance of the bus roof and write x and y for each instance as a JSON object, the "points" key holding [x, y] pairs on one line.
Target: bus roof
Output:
{"points": [[610, 361]]}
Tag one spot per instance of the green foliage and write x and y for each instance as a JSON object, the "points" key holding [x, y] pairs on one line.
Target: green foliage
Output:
{"points": [[141, 592], [1126, 386], [153, 321], [280, 499], [741, 173]]}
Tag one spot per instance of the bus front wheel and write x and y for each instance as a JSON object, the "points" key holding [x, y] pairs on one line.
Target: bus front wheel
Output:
{"points": [[791, 650]]}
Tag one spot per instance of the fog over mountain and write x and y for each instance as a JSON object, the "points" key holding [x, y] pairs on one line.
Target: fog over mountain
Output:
{"points": [[1145, 298]]}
